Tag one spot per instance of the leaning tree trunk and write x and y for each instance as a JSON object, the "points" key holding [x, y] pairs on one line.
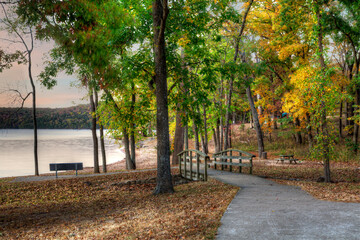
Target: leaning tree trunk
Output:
{"points": [[236, 54], [258, 130], [164, 179], [93, 131], [227, 115]]}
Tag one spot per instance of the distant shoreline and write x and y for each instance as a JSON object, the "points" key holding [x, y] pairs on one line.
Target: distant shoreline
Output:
{"points": [[55, 146], [146, 158]]}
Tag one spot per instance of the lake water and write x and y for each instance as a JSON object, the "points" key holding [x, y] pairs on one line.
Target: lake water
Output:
{"points": [[54, 146]]}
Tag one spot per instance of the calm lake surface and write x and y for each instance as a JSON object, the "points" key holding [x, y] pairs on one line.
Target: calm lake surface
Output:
{"points": [[54, 146]]}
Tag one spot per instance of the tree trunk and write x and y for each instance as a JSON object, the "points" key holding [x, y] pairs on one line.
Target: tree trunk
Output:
{"points": [[217, 132], [129, 163], [215, 141], [298, 132], [196, 136], [309, 131], [132, 130], [186, 137], [323, 127], [356, 126], [221, 134], [36, 160], [93, 131], [236, 54], [206, 148], [164, 179], [340, 120], [230, 140], [178, 139], [227, 115], [258, 130], [102, 146], [251, 121], [133, 147], [102, 140]]}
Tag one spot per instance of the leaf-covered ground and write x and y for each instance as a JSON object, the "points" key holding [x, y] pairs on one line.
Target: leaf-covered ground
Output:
{"points": [[100, 207], [345, 176]]}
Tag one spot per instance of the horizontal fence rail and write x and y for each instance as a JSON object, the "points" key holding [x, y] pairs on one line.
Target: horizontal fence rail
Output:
{"points": [[233, 158]]}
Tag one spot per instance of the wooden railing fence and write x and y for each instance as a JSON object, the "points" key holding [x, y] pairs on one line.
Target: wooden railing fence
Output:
{"points": [[227, 157], [193, 164]]}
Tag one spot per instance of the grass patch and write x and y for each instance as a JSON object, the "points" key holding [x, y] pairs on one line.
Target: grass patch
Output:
{"points": [[97, 207]]}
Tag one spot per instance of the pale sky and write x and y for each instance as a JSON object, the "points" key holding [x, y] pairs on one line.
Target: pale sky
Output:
{"points": [[62, 95]]}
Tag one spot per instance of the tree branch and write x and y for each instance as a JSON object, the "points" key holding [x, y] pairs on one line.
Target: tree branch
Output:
{"points": [[9, 40], [237, 41]]}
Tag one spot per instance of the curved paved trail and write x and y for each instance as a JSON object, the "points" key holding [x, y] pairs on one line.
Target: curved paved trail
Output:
{"points": [[263, 209]]}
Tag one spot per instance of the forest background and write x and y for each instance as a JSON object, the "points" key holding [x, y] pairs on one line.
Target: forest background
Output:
{"points": [[292, 65]]}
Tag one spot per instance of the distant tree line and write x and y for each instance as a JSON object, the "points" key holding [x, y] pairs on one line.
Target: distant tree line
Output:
{"points": [[77, 117]]}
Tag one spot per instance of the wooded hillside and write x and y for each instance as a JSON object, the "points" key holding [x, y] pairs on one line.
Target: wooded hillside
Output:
{"points": [[77, 117]]}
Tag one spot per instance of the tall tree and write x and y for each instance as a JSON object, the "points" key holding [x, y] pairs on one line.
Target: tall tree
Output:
{"points": [[164, 179], [237, 41], [102, 137], [20, 32], [93, 131], [318, 6], [343, 19]]}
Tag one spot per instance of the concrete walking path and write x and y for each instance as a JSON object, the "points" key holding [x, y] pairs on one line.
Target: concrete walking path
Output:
{"points": [[263, 209]]}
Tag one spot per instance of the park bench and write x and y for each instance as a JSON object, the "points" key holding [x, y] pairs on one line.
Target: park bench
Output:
{"points": [[233, 158], [289, 158], [65, 166]]}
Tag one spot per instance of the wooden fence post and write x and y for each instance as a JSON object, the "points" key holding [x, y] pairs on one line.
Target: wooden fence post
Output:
{"points": [[197, 166], [191, 166], [185, 159], [205, 169], [230, 168]]}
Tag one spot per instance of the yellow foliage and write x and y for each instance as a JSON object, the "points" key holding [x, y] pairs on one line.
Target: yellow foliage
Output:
{"points": [[183, 41], [299, 100], [294, 101], [291, 49]]}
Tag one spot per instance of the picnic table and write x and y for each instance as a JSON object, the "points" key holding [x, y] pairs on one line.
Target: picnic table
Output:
{"points": [[289, 158]]}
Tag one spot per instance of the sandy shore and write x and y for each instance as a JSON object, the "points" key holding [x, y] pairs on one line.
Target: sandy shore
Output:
{"points": [[145, 156]]}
